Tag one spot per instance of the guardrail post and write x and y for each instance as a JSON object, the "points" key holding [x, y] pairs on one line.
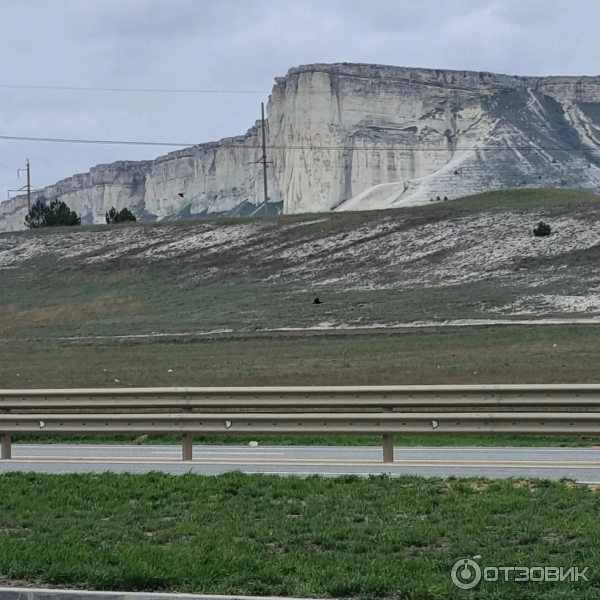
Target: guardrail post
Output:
{"points": [[5, 446], [388, 443], [187, 447]]}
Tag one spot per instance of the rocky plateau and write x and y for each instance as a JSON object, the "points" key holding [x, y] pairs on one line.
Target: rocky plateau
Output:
{"points": [[350, 137]]}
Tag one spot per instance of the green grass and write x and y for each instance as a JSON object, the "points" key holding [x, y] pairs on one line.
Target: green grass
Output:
{"points": [[323, 440], [259, 535], [518, 199]]}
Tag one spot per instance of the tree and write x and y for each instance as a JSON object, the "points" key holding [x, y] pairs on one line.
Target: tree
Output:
{"points": [[60, 215], [125, 216], [111, 216], [542, 230], [36, 217], [55, 214]]}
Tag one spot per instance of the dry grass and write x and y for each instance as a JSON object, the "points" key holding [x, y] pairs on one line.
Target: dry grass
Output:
{"points": [[460, 356], [68, 313], [119, 277]]}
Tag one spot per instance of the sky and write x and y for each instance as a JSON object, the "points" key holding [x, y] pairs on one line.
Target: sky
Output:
{"points": [[237, 46]]}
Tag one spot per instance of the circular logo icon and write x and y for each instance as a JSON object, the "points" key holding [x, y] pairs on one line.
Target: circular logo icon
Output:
{"points": [[466, 574]]}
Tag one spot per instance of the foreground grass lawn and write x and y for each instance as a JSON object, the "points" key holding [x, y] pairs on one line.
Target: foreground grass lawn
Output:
{"points": [[260, 535]]}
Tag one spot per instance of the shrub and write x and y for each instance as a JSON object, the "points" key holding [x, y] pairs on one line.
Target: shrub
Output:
{"points": [[55, 214], [125, 216], [542, 230]]}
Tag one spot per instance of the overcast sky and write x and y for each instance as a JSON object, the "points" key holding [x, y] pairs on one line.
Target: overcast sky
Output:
{"points": [[239, 45]]}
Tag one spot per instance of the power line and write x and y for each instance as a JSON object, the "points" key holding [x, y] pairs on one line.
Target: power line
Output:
{"points": [[127, 90], [66, 88], [81, 141], [234, 144]]}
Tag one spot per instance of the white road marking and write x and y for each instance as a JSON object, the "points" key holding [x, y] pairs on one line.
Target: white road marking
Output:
{"points": [[316, 463]]}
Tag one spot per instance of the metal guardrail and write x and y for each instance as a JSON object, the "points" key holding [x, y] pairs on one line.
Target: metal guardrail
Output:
{"points": [[386, 411]]}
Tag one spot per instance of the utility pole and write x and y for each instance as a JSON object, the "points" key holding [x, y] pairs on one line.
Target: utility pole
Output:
{"points": [[28, 169], [264, 158], [28, 187]]}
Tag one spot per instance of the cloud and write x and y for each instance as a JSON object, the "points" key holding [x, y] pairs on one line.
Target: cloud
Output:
{"points": [[156, 22], [241, 45]]}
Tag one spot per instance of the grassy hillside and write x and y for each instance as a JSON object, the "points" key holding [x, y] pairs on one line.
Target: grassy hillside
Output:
{"points": [[521, 200], [469, 258]]}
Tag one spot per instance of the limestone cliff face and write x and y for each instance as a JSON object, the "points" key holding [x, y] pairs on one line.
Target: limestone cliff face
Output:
{"points": [[354, 137], [377, 137], [214, 178], [90, 195]]}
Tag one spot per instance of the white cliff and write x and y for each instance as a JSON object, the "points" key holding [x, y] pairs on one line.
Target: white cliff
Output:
{"points": [[355, 137], [378, 137], [214, 178]]}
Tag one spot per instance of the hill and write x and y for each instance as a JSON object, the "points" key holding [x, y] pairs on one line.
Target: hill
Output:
{"points": [[473, 258], [361, 137]]}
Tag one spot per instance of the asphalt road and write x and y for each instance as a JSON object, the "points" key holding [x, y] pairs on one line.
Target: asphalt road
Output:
{"points": [[581, 464]]}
